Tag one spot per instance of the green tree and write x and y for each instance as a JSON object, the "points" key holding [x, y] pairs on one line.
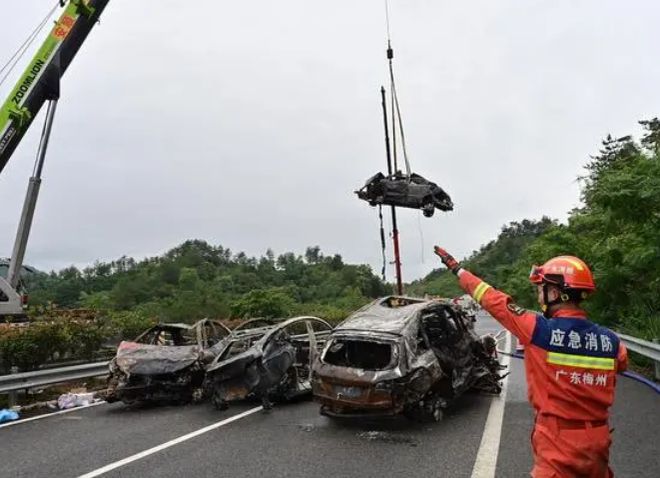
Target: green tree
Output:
{"points": [[272, 302]]}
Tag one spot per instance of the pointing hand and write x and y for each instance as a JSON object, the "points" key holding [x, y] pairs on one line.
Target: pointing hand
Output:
{"points": [[447, 259]]}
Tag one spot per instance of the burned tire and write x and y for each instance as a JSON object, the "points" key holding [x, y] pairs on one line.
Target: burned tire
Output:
{"points": [[490, 344], [433, 410], [218, 402], [426, 411], [428, 208], [198, 395]]}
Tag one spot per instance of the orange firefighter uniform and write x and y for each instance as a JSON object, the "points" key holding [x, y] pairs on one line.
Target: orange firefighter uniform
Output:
{"points": [[571, 365]]}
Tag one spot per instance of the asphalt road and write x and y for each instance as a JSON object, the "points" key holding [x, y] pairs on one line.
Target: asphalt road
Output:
{"points": [[295, 441]]}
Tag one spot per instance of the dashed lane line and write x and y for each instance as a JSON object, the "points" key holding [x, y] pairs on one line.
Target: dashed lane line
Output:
{"points": [[171, 443], [486, 462]]}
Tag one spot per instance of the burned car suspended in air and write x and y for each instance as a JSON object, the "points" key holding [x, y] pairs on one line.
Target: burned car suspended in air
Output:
{"points": [[403, 355], [166, 363], [405, 191], [269, 363]]}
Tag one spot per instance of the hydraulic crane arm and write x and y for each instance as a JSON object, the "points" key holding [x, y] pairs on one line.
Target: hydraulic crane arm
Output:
{"points": [[40, 81]]}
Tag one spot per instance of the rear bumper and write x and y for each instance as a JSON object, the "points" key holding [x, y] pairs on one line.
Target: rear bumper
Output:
{"points": [[329, 411], [368, 402]]}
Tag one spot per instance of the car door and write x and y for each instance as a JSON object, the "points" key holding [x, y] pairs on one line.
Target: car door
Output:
{"points": [[319, 332]]}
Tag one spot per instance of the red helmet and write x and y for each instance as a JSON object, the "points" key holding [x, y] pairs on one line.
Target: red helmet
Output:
{"points": [[566, 272]]}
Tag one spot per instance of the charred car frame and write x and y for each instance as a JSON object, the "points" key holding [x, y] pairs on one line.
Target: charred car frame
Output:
{"points": [[403, 355], [412, 191], [269, 363], [166, 363]]}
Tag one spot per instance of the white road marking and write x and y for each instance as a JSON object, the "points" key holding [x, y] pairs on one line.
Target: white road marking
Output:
{"points": [[486, 462], [48, 415], [163, 446]]}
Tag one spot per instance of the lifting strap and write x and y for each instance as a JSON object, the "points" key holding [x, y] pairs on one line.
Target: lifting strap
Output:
{"points": [[397, 120], [9, 66], [382, 241]]}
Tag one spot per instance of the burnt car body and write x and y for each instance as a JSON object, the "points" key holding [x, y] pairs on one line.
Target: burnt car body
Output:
{"points": [[256, 323], [400, 190], [270, 363], [166, 363], [403, 355]]}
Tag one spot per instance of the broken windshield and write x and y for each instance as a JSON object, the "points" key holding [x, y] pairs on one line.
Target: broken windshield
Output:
{"points": [[169, 337]]}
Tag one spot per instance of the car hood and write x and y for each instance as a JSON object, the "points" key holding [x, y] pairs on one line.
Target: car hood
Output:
{"points": [[142, 359]]}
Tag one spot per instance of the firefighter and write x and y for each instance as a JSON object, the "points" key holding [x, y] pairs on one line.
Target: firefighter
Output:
{"points": [[570, 364]]}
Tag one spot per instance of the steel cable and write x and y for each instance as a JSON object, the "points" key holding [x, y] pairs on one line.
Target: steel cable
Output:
{"points": [[9, 66], [397, 120]]}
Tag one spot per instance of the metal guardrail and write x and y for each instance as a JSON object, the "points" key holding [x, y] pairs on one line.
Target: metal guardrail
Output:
{"points": [[644, 347], [40, 378]]}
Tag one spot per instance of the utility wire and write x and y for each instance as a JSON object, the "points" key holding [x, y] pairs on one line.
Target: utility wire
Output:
{"points": [[16, 57]]}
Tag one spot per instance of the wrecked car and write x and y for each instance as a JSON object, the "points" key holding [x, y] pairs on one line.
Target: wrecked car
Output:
{"points": [[255, 323], [403, 355], [401, 190], [166, 363], [271, 363]]}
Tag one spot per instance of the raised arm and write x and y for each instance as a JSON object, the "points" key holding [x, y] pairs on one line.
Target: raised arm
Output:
{"points": [[514, 318]]}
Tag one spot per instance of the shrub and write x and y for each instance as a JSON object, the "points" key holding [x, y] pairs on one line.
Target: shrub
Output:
{"points": [[41, 341], [272, 302], [129, 324]]}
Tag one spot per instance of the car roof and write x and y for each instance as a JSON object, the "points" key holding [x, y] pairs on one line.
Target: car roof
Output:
{"points": [[380, 316], [184, 326], [173, 326], [293, 320]]}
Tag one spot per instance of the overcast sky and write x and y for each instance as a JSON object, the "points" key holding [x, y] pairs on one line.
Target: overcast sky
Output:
{"points": [[250, 124]]}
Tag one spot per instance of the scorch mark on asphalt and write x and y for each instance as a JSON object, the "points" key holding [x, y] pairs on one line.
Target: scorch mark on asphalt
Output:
{"points": [[484, 465], [168, 444]]}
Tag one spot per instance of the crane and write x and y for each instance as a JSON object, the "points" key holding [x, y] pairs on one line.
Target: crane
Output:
{"points": [[38, 85]]}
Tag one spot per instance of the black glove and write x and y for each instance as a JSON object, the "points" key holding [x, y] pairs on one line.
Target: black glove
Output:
{"points": [[447, 259]]}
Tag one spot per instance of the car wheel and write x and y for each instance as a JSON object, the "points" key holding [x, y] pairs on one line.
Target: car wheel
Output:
{"points": [[425, 411], [428, 208], [489, 344], [197, 395], [434, 411], [219, 403], [430, 410]]}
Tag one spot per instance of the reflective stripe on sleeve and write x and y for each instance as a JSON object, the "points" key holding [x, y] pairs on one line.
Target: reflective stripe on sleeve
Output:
{"points": [[583, 361], [480, 290]]}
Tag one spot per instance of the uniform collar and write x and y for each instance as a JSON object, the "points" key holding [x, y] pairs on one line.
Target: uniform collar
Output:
{"points": [[574, 313]]}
